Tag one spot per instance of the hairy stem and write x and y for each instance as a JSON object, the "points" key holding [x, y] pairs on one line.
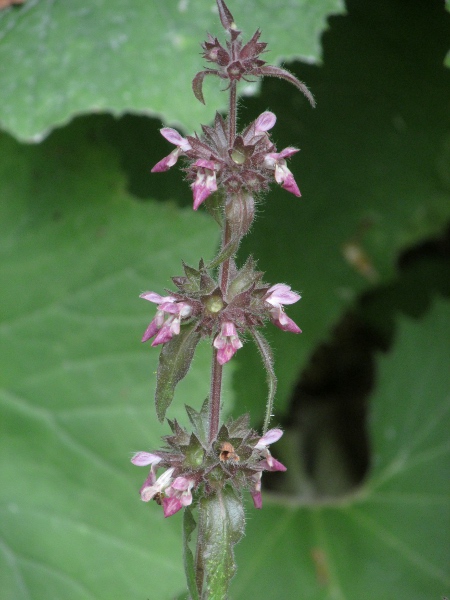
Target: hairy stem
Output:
{"points": [[232, 114], [216, 369]]}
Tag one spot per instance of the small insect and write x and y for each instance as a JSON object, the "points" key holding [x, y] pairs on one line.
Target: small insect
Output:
{"points": [[227, 453], [158, 498]]}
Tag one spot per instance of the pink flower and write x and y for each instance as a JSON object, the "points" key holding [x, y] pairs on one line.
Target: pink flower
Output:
{"points": [[177, 495], [269, 463], [227, 342], [264, 122], [278, 295], [182, 145], [205, 184], [151, 488], [141, 459], [256, 490], [162, 326], [276, 161]]}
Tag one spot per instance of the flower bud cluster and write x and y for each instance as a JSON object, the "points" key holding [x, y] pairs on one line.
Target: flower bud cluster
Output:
{"points": [[238, 457], [223, 314], [249, 164], [239, 61]]}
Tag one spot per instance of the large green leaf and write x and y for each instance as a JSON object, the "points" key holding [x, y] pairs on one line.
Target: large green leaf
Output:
{"points": [[76, 385], [389, 540], [60, 59], [373, 171]]}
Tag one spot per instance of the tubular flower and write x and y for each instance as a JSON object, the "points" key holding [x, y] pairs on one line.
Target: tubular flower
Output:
{"points": [[162, 326], [177, 495], [182, 145], [227, 342], [149, 490], [269, 463], [278, 295], [205, 183], [283, 175]]}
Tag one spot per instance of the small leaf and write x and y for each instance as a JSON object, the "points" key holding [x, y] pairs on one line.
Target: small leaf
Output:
{"points": [[268, 70], [239, 427], [189, 525], [199, 421], [222, 526], [266, 354], [174, 362], [244, 279], [226, 18], [197, 83]]}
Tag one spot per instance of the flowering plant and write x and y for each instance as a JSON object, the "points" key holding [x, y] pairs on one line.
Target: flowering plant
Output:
{"points": [[208, 467]]}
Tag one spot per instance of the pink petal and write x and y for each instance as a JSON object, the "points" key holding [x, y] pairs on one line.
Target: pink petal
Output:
{"points": [[175, 138], [200, 192], [171, 506], [270, 437], [265, 121], [257, 499], [228, 329], [281, 293], [167, 162], [272, 464], [286, 153], [290, 185], [181, 483], [205, 164], [170, 307], [141, 459], [282, 321], [172, 136], [151, 330], [225, 354], [154, 297], [164, 335]]}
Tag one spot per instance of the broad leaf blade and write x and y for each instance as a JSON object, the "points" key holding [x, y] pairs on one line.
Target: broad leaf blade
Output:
{"points": [[75, 383], [389, 540], [223, 524], [60, 59], [174, 362], [189, 566]]}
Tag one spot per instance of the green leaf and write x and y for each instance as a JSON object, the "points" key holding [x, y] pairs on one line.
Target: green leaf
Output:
{"points": [[63, 59], [389, 539], [200, 421], [372, 172], [76, 384], [189, 525], [174, 362], [222, 525]]}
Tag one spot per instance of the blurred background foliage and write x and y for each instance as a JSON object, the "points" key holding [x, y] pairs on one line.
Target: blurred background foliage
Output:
{"points": [[363, 392]]}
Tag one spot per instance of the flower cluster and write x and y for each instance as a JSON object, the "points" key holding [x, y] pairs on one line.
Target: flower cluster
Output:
{"points": [[249, 164], [219, 313], [239, 61], [238, 457]]}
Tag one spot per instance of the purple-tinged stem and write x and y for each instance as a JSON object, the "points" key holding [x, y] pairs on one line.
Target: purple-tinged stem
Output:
{"points": [[217, 369], [215, 393], [232, 114]]}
